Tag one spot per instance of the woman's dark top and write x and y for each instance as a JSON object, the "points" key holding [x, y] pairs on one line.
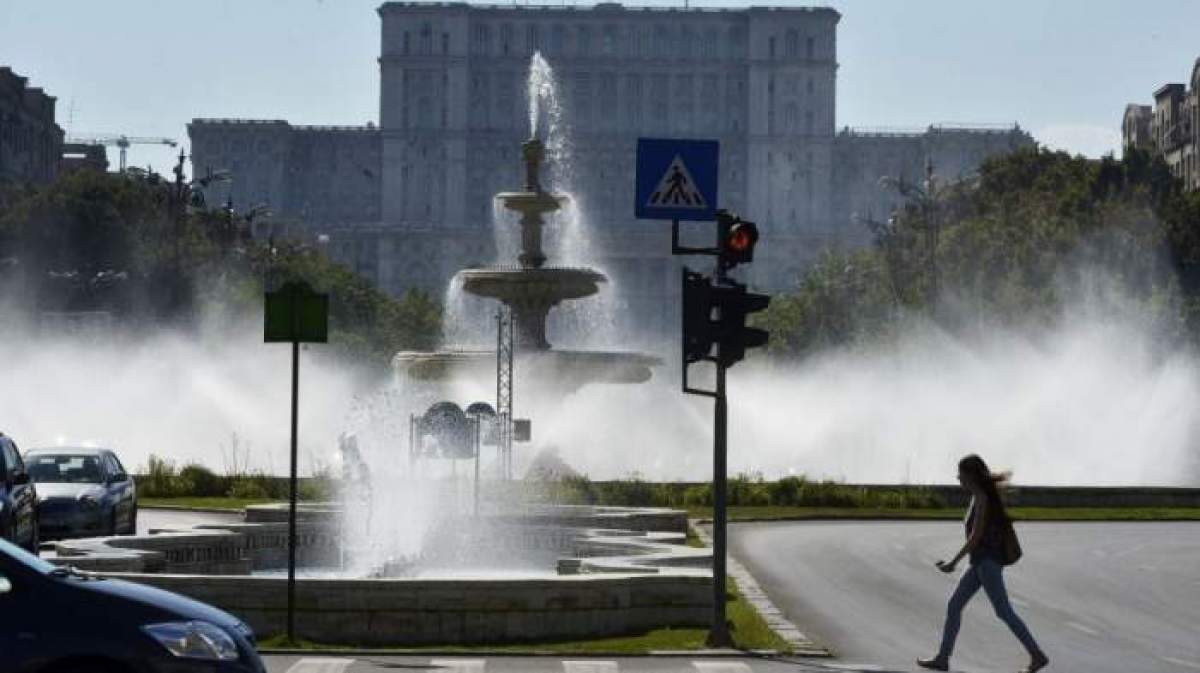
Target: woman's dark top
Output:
{"points": [[992, 544]]}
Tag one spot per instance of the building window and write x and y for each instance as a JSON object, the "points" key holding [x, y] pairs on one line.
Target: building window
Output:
{"points": [[481, 42], [662, 42], [533, 38], [771, 48], [609, 41], [426, 38], [808, 122], [810, 48], [407, 41], [506, 39], [445, 43], [558, 39], [583, 41], [792, 44]]}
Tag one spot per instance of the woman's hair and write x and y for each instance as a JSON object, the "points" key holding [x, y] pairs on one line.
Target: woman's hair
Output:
{"points": [[973, 467]]}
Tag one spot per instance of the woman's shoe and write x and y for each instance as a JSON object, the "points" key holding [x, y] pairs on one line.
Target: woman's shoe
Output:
{"points": [[1037, 663], [936, 664]]}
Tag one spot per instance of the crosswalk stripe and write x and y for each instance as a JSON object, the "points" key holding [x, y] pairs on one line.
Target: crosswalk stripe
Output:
{"points": [[458, 665], [720, 667], [590, 667], [320, 665]]}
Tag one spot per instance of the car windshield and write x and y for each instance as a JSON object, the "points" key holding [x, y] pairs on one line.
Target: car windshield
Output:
{"points": [[18, 555], [65, 468]]}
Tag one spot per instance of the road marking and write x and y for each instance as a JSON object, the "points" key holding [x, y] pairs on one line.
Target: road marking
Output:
{"points": [[1181, 662], [320, 665], [720, 667], [1081, 627], [854, 667], [590, 667], [458, 665]]}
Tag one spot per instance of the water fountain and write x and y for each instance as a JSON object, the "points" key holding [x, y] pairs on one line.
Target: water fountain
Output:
{"points": [[530, 288]]}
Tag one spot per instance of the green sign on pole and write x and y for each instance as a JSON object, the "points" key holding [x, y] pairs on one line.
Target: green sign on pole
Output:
{"points": [[295, 313]]}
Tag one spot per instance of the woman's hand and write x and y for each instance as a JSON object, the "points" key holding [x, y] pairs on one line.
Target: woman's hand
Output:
{"points": [[945, 566]]}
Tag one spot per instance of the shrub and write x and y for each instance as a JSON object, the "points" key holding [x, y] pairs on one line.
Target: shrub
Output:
{"points": [[248, 488], [159, 478], [199, 481]]}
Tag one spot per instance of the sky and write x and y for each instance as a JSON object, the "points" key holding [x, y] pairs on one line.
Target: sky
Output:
{"points": [[1063, 69]]}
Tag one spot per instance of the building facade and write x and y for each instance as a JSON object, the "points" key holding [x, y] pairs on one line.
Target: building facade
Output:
{"points": [[864, 157], [1171, 128], [30, 140], [453, 112]]}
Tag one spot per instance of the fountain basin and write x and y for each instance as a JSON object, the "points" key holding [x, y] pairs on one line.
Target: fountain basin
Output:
{"points": [[561, 369], [532, 202], [622, 580], [517, 284]]}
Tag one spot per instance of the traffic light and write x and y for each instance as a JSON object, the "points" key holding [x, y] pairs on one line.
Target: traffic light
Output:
{"points": [[734, 337], [736, 239], [699, 331]]}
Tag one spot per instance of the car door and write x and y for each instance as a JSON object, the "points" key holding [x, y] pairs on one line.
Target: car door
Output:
{"points": [[119, 488], [22, 496]]}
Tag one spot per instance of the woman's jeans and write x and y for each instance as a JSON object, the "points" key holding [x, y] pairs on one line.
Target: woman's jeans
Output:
{"points": [[988, 574]]}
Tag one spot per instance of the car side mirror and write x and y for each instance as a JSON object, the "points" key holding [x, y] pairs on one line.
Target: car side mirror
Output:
{"points": [[20, 479], [5, 585], [118, 478]]}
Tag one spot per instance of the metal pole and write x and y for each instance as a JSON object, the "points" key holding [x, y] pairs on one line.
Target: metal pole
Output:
{"points": [[291, 604], [718, 636], [477, 443]]}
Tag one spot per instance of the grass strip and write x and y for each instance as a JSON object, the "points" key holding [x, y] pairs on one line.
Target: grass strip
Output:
{"points": [[231, 504]]}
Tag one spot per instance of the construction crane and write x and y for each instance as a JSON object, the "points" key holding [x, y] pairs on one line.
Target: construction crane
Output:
{"points": [[120, 141]]}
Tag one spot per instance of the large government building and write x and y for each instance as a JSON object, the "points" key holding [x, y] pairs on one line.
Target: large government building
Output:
{"points": [[31, 142], [409, 201], [1171, 128]]}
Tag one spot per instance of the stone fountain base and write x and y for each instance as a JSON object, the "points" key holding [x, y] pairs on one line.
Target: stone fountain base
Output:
{"points": [[619, 571]]}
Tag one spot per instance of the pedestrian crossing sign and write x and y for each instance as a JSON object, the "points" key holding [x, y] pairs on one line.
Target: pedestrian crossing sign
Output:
{"points": [[676, 179]]}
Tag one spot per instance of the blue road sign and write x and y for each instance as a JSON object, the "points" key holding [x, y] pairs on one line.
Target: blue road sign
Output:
{"points": [[676, 179]]}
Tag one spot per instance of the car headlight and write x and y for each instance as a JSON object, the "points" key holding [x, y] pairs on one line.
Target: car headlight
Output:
{"points": [[194, 640], [89, 501]]}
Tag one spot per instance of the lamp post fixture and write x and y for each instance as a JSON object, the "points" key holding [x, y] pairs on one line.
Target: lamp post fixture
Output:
{"points": [[925, 195]]}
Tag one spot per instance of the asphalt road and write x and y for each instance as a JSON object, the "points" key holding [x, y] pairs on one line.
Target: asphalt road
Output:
{"points": [[166, 518], [582, 664], [1099, 597]]}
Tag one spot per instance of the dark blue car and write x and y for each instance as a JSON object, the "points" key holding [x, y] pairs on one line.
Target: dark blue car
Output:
{"points": [[59, 620], [18, 498], [82, 492]]}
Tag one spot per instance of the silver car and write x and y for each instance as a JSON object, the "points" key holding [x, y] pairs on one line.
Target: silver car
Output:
{"points": [[82, 492]]}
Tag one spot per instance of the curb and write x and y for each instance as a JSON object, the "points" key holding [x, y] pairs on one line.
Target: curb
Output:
{"points": [[802, 645], [201, 510]]}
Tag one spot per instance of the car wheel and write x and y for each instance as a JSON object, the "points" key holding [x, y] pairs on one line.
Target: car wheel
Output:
{"points": [[132, 522], [112, 522], [35, 538]]}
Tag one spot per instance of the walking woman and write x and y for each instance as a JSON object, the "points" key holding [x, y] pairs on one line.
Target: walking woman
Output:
{"points": [[987, 526]]}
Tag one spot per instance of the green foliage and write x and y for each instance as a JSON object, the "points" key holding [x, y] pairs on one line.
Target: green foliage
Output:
{"points": [[201, 481], [1014, 245], [105, 242], [742, 491]]}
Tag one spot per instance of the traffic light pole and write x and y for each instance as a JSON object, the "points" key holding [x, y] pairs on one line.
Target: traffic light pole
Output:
{"points": [[718, 636]]}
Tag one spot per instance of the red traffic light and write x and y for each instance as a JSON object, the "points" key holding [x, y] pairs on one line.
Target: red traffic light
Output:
{"points": [[736, 238], [742, 237]]}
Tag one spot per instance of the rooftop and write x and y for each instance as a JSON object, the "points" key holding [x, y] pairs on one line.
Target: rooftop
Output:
{"points": [[603, 7]]}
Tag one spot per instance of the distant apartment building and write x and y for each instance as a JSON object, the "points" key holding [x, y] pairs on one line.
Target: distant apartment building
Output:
{"points": [[410, 202], [30, 140], [1171, 128]]}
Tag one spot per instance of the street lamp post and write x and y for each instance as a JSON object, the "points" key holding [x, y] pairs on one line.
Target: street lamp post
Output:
{"points": [[925, 195]]}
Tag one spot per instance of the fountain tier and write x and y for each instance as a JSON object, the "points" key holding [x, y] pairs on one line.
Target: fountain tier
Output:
{"points": [[530, 289]]}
